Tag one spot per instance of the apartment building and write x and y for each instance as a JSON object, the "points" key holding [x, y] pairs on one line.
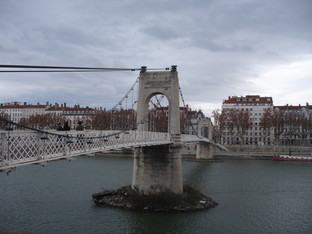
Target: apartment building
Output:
{"points": [[18, 110], [255, 105], [296, 125]]}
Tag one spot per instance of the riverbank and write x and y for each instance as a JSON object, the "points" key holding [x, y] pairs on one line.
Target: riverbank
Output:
{"points": [[244, 155], [128, 198], [235, 152], [219, 156]]}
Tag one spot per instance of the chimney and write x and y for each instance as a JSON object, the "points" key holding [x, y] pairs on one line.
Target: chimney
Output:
{"points": [[64, 104], [25, 103]]}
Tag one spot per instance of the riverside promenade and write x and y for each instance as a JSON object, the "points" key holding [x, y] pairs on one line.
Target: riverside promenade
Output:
{"points": [[249, 152], [260, 152], [244, 155]]}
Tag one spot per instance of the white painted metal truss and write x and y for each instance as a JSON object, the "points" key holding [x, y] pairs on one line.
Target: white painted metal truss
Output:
{"points": [[19, 148]]}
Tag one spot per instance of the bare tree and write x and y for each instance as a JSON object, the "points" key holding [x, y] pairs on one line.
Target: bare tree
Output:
{"points": [[278, 123], [243, 124], [306, 126], [292, 126], [101, 120], [267, 123], [231, 123], [114, 120], [3, 117], [218, 125], [42, 121]]}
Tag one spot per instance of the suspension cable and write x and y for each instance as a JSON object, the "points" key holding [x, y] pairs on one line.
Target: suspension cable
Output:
{"points": [[188, 116], [125, 96], [3, 68]]}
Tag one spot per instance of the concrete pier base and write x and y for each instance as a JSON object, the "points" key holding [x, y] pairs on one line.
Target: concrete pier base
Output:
{"points": [[156, 168], [204, 151]]}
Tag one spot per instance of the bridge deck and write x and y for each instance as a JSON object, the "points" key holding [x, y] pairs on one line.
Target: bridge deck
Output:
{"points": [[20, 148], [28, 147]]}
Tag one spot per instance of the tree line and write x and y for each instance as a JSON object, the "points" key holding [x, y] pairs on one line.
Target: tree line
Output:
{"points": [[101, 120], [286, 126]]}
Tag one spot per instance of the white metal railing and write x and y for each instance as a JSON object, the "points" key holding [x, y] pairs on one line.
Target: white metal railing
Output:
{"points": [[27, 147]]}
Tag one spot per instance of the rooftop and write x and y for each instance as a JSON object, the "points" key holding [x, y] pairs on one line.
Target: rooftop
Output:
{"points": [[248, 99]]}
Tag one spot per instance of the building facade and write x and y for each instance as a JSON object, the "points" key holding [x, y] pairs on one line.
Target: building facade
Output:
{"points": [[294, 125], [17, 110], [253, 106]]}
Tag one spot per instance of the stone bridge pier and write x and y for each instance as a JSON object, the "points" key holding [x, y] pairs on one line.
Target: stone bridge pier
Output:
{"points": [[159, 167], [204, 150]]}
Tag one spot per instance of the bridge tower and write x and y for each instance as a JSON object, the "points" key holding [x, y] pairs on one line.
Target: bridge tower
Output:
{"points": [[159, 167], [203, 149]]}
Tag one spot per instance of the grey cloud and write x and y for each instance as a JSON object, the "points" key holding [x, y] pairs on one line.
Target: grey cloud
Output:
{"points": [[218, 45], [162, 32]]}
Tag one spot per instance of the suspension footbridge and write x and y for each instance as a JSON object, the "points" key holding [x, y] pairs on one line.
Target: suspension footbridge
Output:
{"points": [[157, 155]]}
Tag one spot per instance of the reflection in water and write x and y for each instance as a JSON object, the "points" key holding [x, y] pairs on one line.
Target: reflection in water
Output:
{"points": [[196, 172]]}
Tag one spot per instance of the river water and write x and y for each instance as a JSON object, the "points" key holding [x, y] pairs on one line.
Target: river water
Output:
{"points": [[254, 197]]}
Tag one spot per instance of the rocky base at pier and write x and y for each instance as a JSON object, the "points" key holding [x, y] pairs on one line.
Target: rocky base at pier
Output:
{"points": [[128, 198]]}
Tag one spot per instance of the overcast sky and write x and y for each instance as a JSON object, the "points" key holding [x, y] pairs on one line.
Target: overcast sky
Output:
{"points": [[221, 47]]}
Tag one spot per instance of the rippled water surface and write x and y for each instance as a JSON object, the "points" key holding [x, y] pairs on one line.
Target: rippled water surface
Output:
{"points": [[254, 197]]}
